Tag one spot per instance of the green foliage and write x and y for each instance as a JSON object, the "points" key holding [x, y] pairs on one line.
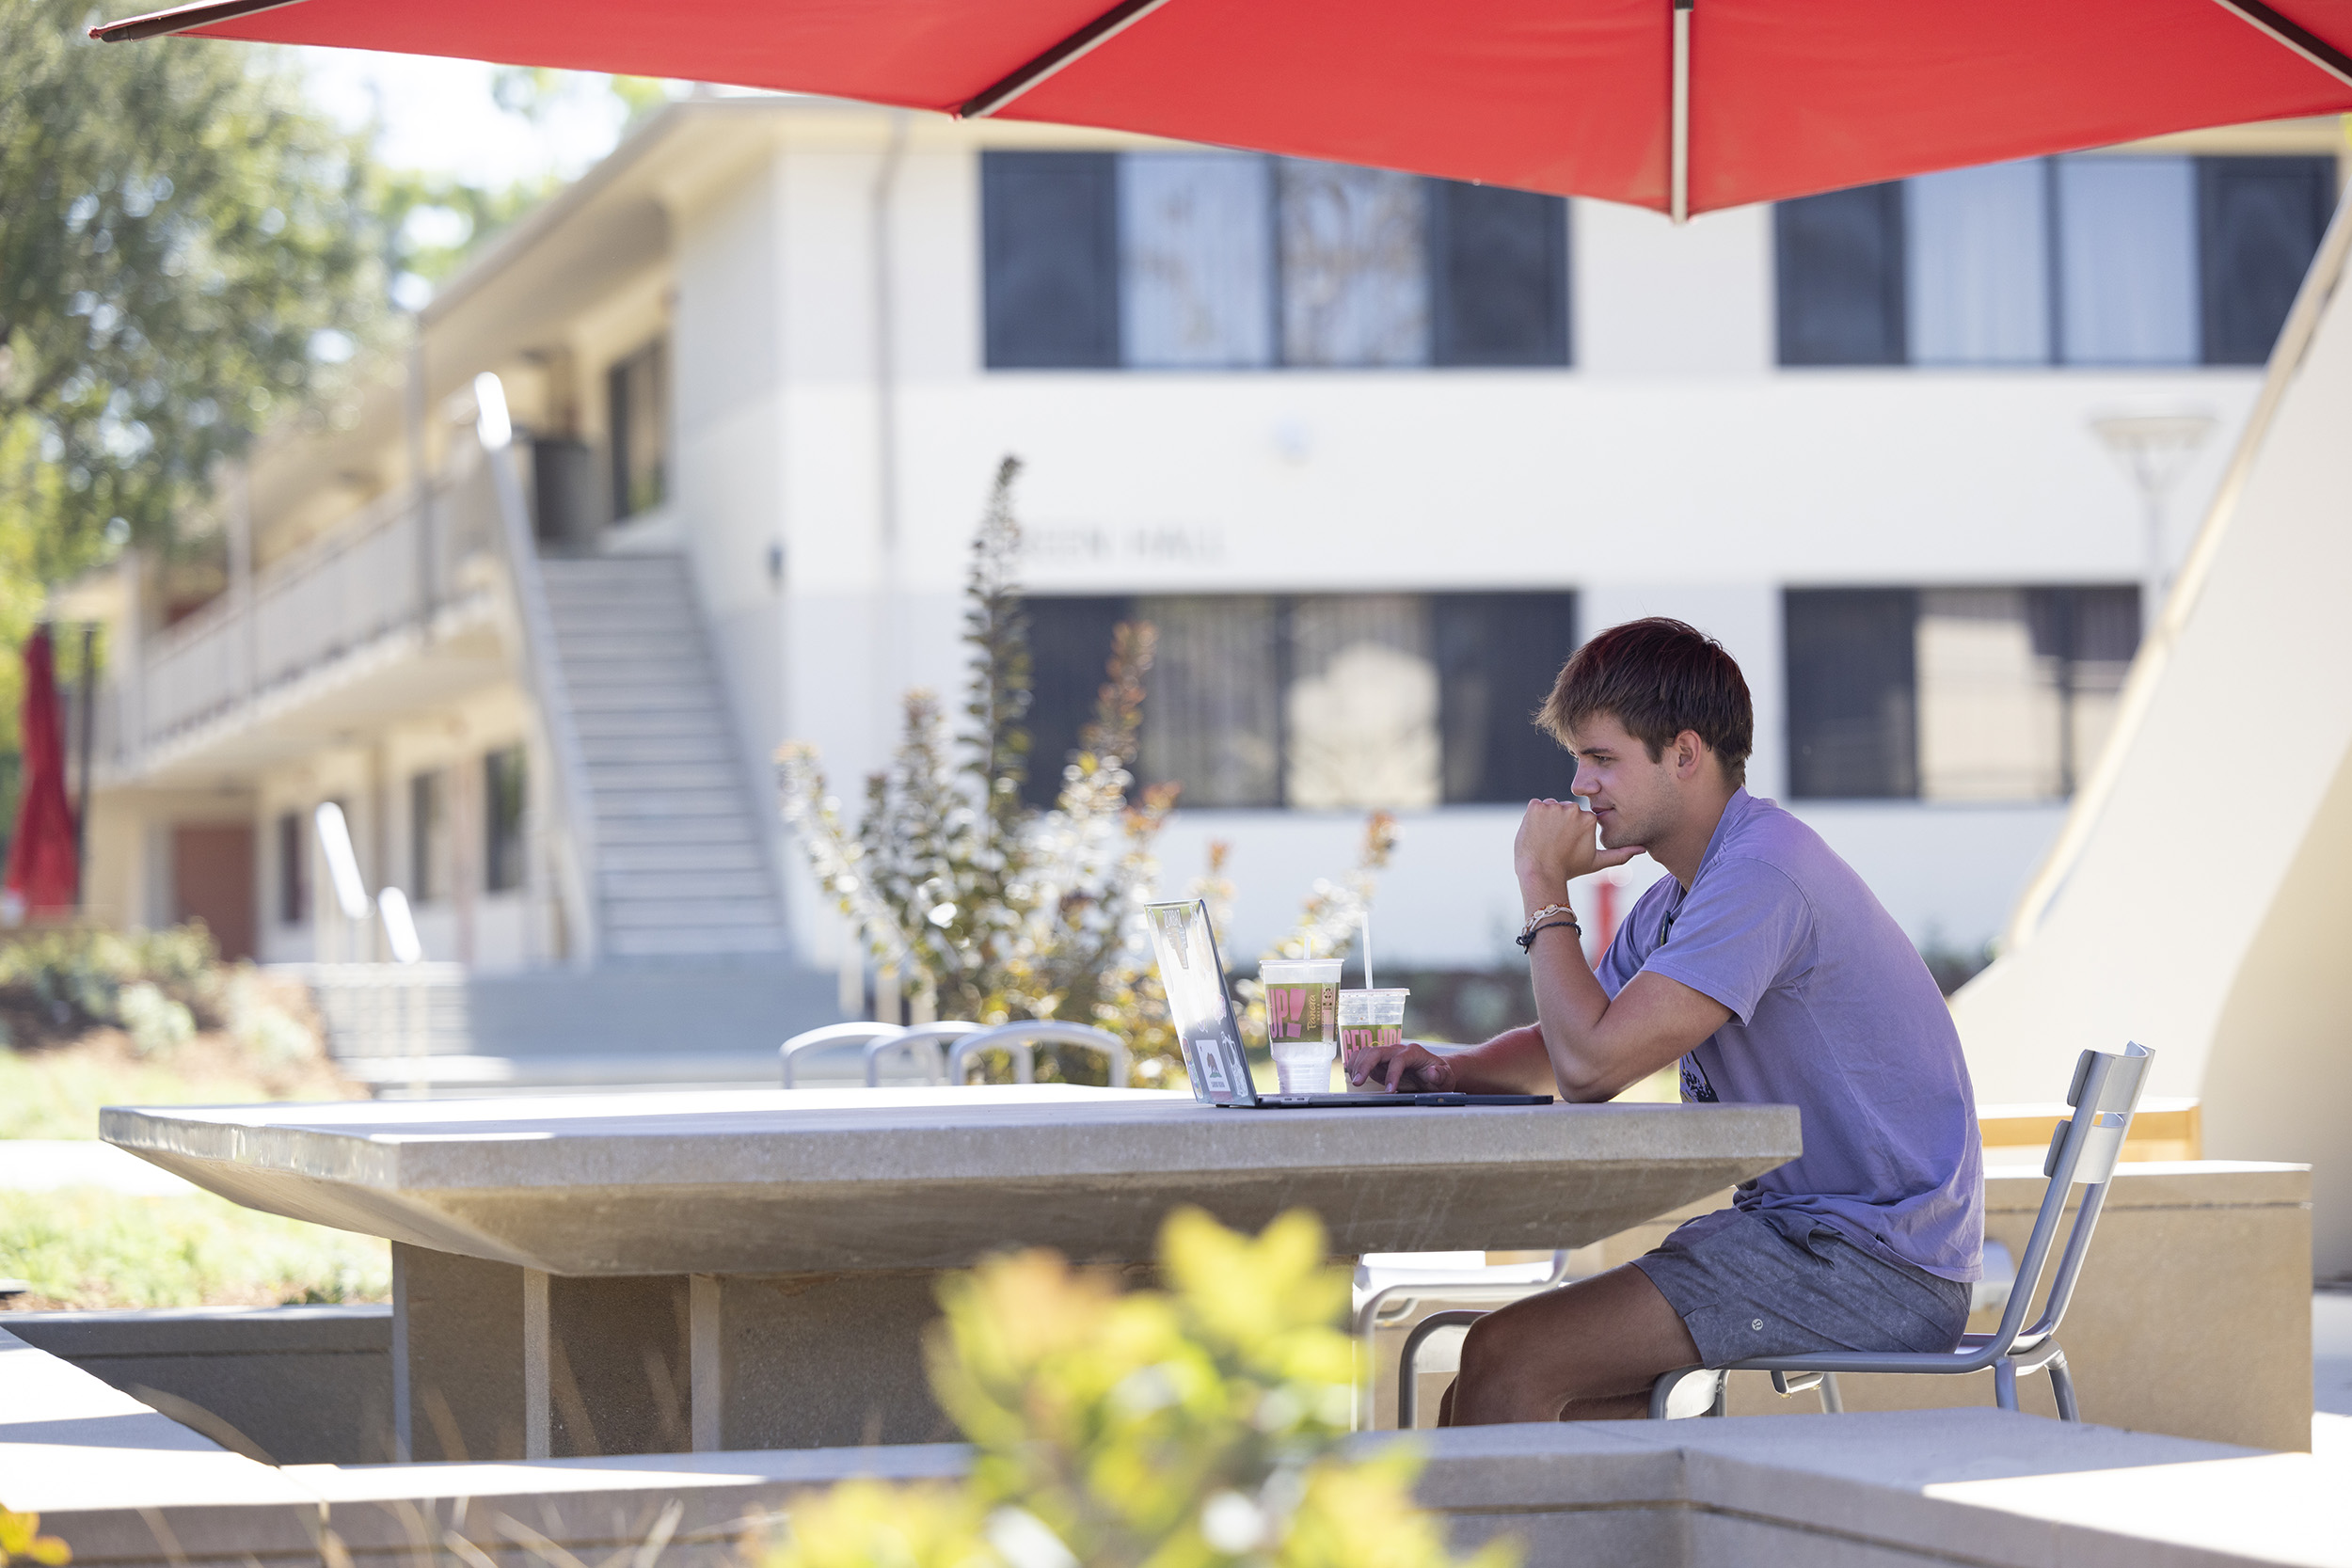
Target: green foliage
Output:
{"points": [[20, 1538], [81, 1247], [186, 252], [994, 910], [1197, 1427], [148, 983]]}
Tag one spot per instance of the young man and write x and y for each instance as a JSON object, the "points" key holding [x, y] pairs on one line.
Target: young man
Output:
{"points": [[1770, 970]]}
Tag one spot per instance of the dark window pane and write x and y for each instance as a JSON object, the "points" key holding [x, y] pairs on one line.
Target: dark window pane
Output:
{"points": [[2089, 636], [1497, 655], [1840, 271], [1500, 260], [2258, 222], [1213, 708], [1069, 642], [637, 406], [1050, 244], [1852, 727], [428, 819], [294, 869], [502, 800]]}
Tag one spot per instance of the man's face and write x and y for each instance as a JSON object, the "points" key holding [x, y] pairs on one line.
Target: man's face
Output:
{"points": [[1637, 800]]}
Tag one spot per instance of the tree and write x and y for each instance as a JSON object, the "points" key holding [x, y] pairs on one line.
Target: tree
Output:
{"points": [[187, 253]]}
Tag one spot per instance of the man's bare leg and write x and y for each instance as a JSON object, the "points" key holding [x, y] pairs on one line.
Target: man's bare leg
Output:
{"points": [[1586, 1351]]}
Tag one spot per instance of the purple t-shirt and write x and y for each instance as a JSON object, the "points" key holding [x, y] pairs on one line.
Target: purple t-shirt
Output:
{"points": [[1832, 1012]]}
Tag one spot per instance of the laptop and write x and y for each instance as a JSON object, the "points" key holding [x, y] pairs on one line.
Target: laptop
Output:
{"points": [[1202, 1008]]}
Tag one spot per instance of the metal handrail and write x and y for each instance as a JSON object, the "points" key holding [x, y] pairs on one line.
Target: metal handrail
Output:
{"points": [[1023, 1039]]}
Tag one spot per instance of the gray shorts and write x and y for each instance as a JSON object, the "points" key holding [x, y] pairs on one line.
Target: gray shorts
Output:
{"points": [[1746, 1282]]}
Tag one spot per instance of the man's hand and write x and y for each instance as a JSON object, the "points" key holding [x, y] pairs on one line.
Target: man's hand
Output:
{"points": [[1407, 1065], [1559, 841]]}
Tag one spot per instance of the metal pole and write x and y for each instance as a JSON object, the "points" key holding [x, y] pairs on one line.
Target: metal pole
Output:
{"points": [[81, 804]]}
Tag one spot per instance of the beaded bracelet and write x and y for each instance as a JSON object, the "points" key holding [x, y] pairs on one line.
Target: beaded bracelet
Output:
{"points": [[1527, 939]]}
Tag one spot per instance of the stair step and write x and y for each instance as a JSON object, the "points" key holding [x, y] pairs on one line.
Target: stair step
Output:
{"points": [[677, 857], [701, 698], [649, 721], [654, 804], [738, 880], [614, 779], [619, 750], [620, 833], [692, 913], [651, 945]]}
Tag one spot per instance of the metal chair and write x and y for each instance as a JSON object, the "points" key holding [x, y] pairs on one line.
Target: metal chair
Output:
{"points": [[1023, 1039], [1505, 1280], [2083, 1151], [879, 1039]]}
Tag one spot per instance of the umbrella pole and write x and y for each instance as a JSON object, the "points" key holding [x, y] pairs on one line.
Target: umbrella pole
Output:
{"points": [[2283, 31], [1678, 130]]}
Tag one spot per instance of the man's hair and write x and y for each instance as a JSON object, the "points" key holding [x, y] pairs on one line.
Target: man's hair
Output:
{"points": [[1658, 677]]}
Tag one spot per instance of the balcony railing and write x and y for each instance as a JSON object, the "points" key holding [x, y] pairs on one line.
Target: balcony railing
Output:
{"points": [[385, 572]]}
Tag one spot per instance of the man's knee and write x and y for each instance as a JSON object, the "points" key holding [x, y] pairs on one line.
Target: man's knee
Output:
{"points": [[1486, 1349]]}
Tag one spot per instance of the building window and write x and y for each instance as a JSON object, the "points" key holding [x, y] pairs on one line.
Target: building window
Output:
{"points": [[2090, 260], [1987, 694], [1227, 260], [504, 800], [428, 836], [1334, 701], [294, 868], [637, 396]]}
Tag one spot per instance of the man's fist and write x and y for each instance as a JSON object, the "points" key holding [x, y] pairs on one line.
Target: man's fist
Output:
{"points": [[1559, 841], [1407, 1065]]}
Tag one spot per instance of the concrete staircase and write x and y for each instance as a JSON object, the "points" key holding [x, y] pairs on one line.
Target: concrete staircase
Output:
{"points": [[682, 869]]}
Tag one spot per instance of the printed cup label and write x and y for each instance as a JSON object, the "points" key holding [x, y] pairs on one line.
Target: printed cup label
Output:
{"points": [[1370, 1037], [1302, 1012]]}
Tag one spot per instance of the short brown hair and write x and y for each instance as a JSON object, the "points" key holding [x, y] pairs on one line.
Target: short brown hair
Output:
{"points": [[1658, 677]]}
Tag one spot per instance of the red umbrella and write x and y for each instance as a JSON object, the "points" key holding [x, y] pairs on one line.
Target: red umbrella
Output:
{"points": [[1752, 99], [43, 875]]}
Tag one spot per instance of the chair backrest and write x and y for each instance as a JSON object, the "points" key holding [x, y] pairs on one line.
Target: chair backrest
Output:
{"points": [[2082, 1152], [1023, 1039], [923, 1039], [833, 1035]]}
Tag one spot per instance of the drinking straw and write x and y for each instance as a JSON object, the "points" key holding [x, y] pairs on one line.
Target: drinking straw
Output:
{"points": [[1367, 940]]}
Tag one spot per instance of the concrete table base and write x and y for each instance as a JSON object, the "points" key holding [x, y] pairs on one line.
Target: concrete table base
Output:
{"points": [[634, 1273]]}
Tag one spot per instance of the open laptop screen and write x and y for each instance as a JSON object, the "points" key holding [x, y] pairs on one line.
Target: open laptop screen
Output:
{"points": [[1197, 1003]]}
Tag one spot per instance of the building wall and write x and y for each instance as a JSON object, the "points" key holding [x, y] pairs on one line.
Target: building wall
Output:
{"points": [[1673, 469]]}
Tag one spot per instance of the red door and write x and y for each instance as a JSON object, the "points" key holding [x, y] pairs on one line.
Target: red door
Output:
{"points": [[212, 880]]}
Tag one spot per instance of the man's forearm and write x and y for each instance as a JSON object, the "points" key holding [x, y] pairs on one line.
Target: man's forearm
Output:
{"points": [[1514, 1062]]}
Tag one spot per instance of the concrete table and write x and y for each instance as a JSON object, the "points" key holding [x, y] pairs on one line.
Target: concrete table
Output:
{"points": [[649, 1271]]}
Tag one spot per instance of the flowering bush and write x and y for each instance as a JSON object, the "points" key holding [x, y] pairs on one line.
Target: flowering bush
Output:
{"points": [[993, 910]]}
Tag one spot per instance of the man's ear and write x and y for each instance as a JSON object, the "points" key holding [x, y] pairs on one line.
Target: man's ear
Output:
{"points": [[1690, 752]]}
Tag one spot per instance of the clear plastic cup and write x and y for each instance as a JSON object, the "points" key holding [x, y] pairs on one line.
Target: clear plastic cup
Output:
{"points": [[1302, 1017], [1371, 1018]]}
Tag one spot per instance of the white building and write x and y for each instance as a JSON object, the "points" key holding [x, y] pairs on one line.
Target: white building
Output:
{"points": [[1365, 447]]}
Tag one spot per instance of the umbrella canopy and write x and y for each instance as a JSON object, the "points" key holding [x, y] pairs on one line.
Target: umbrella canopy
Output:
{"points": [[1681, 105], [42, 872]]}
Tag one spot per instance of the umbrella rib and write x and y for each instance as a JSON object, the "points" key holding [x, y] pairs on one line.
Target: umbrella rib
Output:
{"points": [[182, 18], [1069, 52], [2289, 35], [1678, 121]]}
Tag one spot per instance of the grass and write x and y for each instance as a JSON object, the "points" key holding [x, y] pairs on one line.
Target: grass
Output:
{"points": [[79, 1247], [86, 1248]]}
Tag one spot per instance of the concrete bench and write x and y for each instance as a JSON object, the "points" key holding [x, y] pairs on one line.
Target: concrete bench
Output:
{"points": [[126, 1488]]}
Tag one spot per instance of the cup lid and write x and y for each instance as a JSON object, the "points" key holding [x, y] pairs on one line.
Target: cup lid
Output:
{"points": [[1300, 970]]}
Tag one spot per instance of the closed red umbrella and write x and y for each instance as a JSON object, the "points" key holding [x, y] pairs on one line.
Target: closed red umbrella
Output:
{"points": [[1754, 99], [42, 877]]}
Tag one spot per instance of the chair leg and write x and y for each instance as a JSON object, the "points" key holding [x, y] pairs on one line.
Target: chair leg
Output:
{"points": [[2005, 1384], [1832, 1403], [2062, 1387]]}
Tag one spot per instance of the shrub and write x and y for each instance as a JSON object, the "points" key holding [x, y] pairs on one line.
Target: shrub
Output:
{"points": [[1200, 1425]]}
